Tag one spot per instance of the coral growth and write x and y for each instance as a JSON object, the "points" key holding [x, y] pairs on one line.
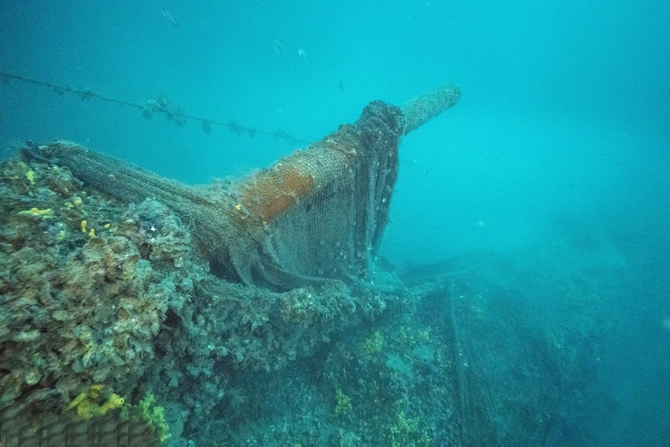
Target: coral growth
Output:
{"points": [[86, 403], [154, 415]]}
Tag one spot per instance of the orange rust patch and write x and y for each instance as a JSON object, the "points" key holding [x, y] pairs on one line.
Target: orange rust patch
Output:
{"points": [[273, 191]]}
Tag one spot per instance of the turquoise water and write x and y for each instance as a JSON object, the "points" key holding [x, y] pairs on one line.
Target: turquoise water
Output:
{"points": [[561, 139]]}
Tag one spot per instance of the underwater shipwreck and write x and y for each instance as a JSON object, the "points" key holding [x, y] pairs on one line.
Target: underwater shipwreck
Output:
{"points": [[136, 310]]}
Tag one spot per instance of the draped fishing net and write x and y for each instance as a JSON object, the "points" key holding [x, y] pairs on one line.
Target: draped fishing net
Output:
{"points": [[315, 215]]}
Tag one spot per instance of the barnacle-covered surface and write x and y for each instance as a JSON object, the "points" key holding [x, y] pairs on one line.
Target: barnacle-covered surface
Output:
{"points": [[110, 322]]}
